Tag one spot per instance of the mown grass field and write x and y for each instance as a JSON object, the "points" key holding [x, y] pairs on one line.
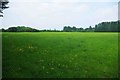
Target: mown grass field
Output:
{"points": [[60, 55]]}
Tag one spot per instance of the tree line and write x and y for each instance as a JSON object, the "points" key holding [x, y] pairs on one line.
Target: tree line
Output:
{"points": [[113, 26], [19, 29], [108, 27], [25, 29], [101, 27], [74, 29]]}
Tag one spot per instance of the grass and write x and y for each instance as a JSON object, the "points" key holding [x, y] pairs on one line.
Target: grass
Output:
{"points": [[60, 55]]}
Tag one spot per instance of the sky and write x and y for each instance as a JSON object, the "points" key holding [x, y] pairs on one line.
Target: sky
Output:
{"points": [[55, 14]]}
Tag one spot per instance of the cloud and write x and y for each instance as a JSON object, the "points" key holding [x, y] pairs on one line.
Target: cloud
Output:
{"points": [[54, 14], [63, 1], [105, 14]]}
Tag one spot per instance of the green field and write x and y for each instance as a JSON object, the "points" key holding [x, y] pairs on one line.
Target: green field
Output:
{"points": [[60, 55]]}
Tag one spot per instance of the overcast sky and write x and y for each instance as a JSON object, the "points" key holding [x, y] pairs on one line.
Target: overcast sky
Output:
{"points": [[55, 14]]}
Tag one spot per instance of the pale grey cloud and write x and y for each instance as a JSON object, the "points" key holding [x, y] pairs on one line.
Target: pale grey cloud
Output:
{"points": [[54, 14]]}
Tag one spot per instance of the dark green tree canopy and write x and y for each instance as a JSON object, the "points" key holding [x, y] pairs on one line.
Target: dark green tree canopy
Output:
{"points": [[107, 27], [113, 26], [21, 29]]}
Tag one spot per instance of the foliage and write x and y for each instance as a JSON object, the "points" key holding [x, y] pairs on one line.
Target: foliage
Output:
{"points": [[72, 29], [101, 27], [107, 27], [3, 5], [20, 29]]}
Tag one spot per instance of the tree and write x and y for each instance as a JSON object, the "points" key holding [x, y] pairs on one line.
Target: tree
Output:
{"points": [[107, 27], [3, 30], [74, 29], [86, 29], [3, 6], [67, 29], [21, 29], [12, 29], [81, 29], [90, 29]]}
